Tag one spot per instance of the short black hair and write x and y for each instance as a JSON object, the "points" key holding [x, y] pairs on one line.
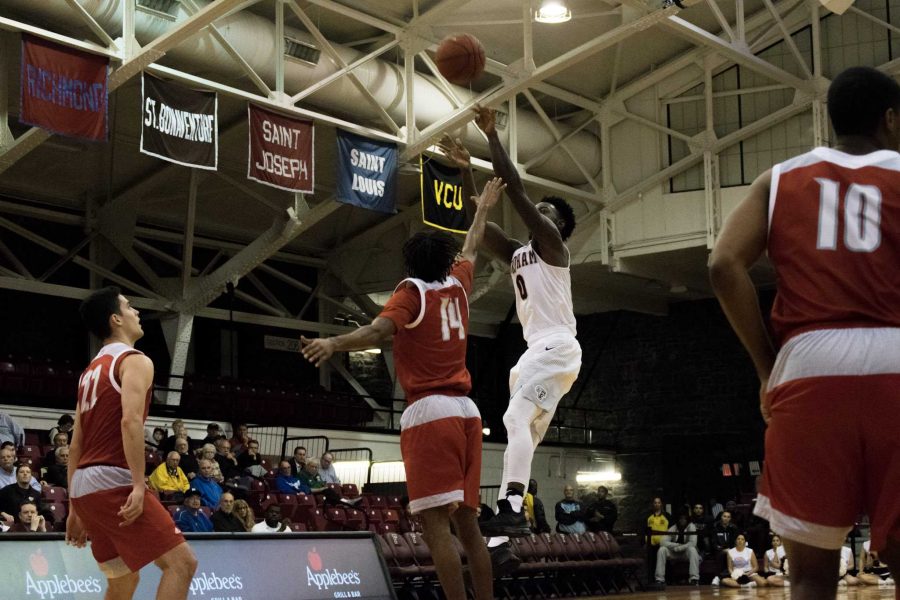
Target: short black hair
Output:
{"points": [[858, 98], [22, 465], [565, 211], [96, 309], [65, 419], [429, 255]]}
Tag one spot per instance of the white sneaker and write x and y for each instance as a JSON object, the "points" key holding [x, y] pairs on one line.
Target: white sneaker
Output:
{"points": [[751, 584], [715, 580]]}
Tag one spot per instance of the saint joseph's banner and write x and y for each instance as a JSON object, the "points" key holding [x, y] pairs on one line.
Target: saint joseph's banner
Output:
{"points": [[179, 124], [63, 90], [281, 151], [367, 172], [442, 196]]}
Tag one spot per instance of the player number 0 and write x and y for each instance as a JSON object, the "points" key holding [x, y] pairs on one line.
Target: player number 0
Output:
{"points": [[862, 216]]}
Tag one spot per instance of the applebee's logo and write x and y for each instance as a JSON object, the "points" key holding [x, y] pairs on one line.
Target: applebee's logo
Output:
{"points": [[39, 564], [39, 582], [320, 577]]}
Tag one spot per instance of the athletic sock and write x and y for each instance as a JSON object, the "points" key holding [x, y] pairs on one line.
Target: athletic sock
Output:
{"points": [[497, 541], [515, 499]]}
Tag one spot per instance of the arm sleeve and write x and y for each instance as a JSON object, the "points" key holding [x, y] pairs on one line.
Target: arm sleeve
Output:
{"points": [[403, 307], [464, 271]]}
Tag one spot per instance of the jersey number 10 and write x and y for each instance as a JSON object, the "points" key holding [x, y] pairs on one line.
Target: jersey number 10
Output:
{"points": [[862, 216]]}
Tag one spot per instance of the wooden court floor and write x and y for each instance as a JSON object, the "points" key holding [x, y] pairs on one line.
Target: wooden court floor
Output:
{"points": [[706, 592]]}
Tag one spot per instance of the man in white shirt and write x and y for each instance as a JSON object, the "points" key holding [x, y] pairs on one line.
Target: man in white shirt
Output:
{"points": [[273, 522], [326, 469], [8, 470]]}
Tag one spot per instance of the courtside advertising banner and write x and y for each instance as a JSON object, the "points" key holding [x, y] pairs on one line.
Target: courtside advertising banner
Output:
{"points": [[63, 90], [230, 567], [367, 172], [442, 196], [179, 124], [281, 150]]}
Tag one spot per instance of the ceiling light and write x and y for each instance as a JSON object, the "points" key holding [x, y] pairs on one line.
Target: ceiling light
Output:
{"points": [[552, 11], [597, 476]]}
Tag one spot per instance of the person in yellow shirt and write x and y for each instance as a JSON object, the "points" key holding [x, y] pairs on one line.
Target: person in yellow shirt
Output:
{"points": [[168, 477], [657, 521]]}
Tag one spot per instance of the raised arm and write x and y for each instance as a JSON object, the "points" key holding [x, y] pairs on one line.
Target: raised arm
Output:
{"points": [[543, 230], [378, 332], [741, 243], [495, 241], [485, 201]]}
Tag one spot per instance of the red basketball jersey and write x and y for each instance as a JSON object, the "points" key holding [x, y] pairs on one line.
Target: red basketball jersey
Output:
{"points": [[432, 319], [834, 240], [100, 408]]}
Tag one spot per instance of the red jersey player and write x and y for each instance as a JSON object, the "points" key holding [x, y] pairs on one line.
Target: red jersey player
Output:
{"points": [[440, 439], [830, 220], [109, 502]]}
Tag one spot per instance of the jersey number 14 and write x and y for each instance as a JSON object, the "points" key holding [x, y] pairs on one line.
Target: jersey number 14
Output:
{"points": [[862, 216], [451, 319]]}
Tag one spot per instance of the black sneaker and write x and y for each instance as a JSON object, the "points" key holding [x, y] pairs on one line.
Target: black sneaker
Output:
{"points": [[503, 560], [506, 522]]}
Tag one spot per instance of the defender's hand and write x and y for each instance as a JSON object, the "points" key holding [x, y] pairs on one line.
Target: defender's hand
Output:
{"points": [[317, 351]]}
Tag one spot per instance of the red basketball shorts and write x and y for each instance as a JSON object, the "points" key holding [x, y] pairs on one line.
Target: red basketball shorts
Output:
{"points": [[440, 441], [833, 444], [153, 533]]}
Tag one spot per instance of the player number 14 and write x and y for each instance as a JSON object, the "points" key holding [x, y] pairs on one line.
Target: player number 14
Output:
{"points": [[862, 216], [450, 319]]}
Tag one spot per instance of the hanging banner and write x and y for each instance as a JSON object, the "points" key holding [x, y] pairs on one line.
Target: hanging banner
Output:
{"points": [[179, 124], [281, 150], [63, 90], [442, 196], [367, 172]]}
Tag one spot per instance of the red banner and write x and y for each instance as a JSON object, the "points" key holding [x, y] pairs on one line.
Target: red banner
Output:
{"points": [[281, 151], [63, 90]]}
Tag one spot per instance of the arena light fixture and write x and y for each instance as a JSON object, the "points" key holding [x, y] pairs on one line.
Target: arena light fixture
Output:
{"points": [[597, 476], [552, 11]]}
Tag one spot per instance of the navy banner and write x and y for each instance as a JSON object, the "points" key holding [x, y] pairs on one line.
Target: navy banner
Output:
{"points": [[442, 196], [367, 172]]}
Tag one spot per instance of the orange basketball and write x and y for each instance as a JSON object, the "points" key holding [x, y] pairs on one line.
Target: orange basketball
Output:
{"points": [[460, 58]]}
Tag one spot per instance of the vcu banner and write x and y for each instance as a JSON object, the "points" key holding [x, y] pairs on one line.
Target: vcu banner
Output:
{"points": [[367, 172], [63, 90], [179, 124], [442, 196], [281, 151]]}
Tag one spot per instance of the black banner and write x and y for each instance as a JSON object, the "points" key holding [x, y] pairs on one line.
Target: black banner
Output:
{"points": [[179, 124], [442, 196]]}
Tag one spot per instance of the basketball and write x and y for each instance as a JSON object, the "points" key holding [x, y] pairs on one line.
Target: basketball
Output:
{"points": [[460, 58]]}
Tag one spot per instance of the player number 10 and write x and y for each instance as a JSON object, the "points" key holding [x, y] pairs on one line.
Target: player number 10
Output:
{"points": [[450, 319], [862, 216]]}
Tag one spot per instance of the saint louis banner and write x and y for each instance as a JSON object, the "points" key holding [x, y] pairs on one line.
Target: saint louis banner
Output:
{"points": [[63, 90], [367, 172], [442, 196], [281, 151], [179, 124]]}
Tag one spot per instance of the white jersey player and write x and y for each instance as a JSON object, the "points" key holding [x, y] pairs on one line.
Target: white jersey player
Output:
{"points": [[547, 370]]}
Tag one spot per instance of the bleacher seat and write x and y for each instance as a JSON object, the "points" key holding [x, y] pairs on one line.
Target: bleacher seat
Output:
{"points": [[355, 520], [421, 553], [298, 527], [288, 504], [317, 521], [174, 510], [391, 517], [335, 517], [349, 490], [306, 504], [59, 509], [52, 493]]}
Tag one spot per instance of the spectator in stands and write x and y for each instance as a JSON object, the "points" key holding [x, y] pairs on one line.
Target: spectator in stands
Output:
{"points": [[535, 509], [679, 545], [59, 440], [484, 512], [298, 460], [243, 512], [191, 518], [169, 477], [14, 494], [210, 490], [742, 569], [286, 483], [64, 424], [309, 476], [602, 513], [58, 473], [188, 462], [213, 434], [273, 523], [10, 431], [156, 440], [738, 518], [250, 461], [703, 523], [224, 519], [179, 430], [228, 462], [775, 563], [29, 520], [241, 439], [570, 513], [326, 469], [657, 521], [723, 534], [8, 470]]}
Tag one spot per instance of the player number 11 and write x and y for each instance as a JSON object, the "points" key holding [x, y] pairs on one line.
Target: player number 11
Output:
{"points": [[862, 216]]}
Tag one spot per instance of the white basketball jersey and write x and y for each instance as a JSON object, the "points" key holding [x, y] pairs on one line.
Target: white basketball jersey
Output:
{"points": [[543, 295]]}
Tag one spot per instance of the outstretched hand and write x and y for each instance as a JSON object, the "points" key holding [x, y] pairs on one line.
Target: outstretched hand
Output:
{"points": [[485, 118], [317, 351], [455, 151], [490, 194]]}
